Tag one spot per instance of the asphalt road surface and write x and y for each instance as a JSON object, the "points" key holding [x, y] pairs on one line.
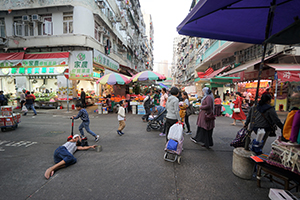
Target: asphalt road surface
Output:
{"points": [[129, 166]]}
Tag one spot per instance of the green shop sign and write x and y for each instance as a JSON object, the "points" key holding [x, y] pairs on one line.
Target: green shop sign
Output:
{"points": [[105, 61]]}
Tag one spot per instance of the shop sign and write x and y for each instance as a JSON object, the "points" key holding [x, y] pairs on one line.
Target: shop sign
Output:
{"points": [[263, 84], [105, 61], [81, 65], [289, 76], [97, 75], [32, 71]]}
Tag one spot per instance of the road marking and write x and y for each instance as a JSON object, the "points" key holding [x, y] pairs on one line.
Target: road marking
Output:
{"points": [[16, 144]]}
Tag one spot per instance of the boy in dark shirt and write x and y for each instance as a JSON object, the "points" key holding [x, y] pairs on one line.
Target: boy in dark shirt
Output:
{"points": [[84, 116]]}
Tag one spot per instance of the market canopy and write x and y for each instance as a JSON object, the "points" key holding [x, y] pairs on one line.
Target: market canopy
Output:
{"points": [[147, 75], [114, 78], [243, 21]]}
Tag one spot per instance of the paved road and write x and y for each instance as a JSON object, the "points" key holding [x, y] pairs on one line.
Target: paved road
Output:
{"points": [[129, 167]]}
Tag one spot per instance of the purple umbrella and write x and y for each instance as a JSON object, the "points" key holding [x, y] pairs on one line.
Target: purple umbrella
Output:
{"points": [[248, 21]]}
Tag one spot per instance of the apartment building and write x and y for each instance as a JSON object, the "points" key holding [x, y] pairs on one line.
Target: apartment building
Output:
{"points": [[40, 39]]}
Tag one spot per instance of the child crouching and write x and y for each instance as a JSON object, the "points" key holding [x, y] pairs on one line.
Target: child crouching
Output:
{"points": [[121, 118]]}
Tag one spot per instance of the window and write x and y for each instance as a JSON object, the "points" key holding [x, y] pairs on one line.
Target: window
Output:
{"points": [[98, 32], [68, 23], [23, 28], [2, 27], [45, 25]]}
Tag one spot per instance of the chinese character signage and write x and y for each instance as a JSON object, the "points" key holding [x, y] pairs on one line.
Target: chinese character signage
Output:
{"points": [[32, 71], [105, 61], [81, 65]]}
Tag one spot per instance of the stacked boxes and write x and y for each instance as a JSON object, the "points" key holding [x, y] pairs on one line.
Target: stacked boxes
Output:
{"points": [[9, 118]]}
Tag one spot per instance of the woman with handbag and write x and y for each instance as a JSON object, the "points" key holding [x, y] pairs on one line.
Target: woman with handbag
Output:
{"points": [[265, 117], [206, 120], [238, 113]]}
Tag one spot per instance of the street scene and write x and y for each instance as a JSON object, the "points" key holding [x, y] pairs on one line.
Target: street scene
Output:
{"points": [[139, 99], [128, 167]]}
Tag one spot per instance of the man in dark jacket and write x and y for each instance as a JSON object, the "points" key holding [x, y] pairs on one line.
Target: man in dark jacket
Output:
{"points": [[82, 98], [30, 102], [147, 103], [3, 100]]}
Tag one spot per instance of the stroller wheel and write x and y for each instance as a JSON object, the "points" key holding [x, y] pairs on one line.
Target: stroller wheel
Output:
{"points": [[179, 159], [148, 129]]}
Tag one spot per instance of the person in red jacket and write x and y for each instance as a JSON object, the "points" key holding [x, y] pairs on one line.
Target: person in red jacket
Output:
{"points": [[30, 102], [238, 115], [218, 106]]}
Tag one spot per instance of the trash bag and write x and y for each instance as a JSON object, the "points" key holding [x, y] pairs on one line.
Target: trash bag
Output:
{"points": [[175, 132]]}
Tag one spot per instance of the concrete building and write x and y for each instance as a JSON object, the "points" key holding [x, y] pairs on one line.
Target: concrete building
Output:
{"points": [[150, 41], [40, 39]]}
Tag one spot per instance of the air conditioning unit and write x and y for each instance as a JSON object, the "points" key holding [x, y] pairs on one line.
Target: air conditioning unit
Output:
{"points": [[36, 17], [118, 19], [25, 18], [123, 28], [100, 4], [112, 19]]}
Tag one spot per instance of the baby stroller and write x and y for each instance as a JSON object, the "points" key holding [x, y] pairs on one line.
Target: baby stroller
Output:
{"points": [[157, 123], [174, 145]]}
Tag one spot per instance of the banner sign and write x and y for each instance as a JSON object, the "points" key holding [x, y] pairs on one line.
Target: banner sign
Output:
{"points": [[105, 61], [21, 60], [290, 76], [46, 59], [263, 84], [32, 71], [81, 65], [11, 59]]}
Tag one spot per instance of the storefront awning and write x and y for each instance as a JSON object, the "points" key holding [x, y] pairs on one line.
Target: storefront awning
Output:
{"points": [[215, 73], [287, 72], [247, 65], [20, 59], [206, 73]]}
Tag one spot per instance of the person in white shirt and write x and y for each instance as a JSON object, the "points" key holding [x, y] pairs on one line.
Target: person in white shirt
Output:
{"points": [[63, 155], [121, 118]]}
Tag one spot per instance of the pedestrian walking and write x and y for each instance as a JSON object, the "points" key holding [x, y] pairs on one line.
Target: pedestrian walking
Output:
{"points": [[29, 103], [84, 116], [82, 98], [239, 113], [205, 125], [63, 155], [147, 103], [265, 117], [186, 118], [172, 107], [23, 97], [218, 105], [163, 97], [3, 99], [156, 98], [121, 118]]}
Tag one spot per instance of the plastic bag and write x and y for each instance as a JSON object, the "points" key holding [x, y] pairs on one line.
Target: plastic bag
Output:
{"points": [[172, 145], [175, 132], [24, 109]]}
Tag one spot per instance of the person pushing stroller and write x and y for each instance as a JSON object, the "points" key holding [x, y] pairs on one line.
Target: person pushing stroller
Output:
{"points": [[157, 122]]}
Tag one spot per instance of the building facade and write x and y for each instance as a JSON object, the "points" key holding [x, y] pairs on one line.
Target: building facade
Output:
{"points": [[40, 39]]}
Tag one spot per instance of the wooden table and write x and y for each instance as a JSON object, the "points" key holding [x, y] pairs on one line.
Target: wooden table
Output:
{"points": [[289, 179]]}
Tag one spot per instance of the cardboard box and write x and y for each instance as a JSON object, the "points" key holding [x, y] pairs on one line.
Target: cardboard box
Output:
{"points": [[9, 121], [278, 194], [2, 121]]}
